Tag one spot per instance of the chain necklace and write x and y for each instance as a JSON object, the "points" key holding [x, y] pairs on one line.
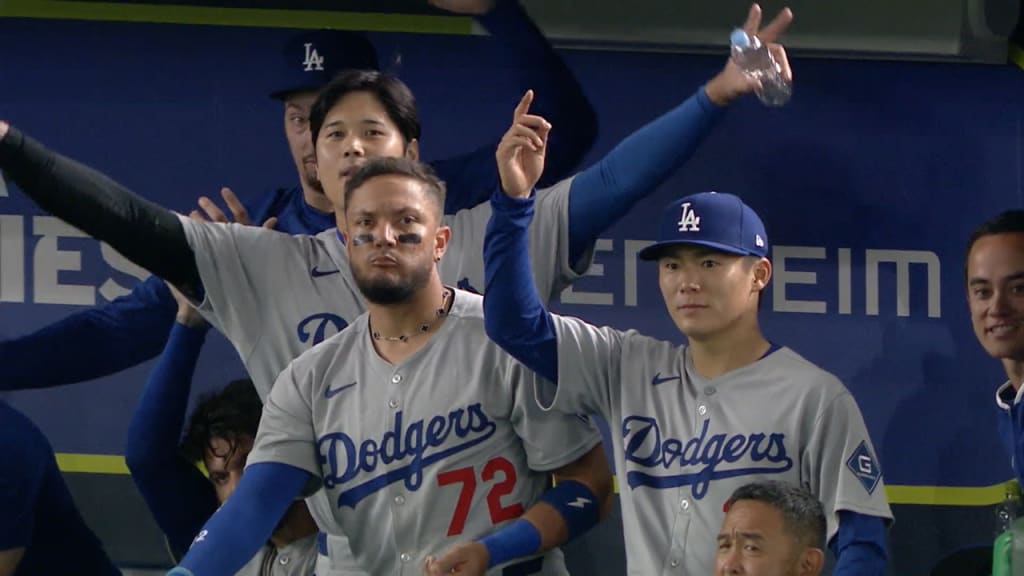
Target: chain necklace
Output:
{"points": [[424, 327]]}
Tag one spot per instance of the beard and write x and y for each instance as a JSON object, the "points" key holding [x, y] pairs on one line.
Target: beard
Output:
{"points": [[310, 179], [385, 291]]}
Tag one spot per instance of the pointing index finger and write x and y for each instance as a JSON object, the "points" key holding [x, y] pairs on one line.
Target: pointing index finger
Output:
{"points": [[524, 105]]}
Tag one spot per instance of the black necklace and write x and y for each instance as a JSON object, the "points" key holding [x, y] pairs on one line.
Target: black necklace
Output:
{"points": [[424, 327]]}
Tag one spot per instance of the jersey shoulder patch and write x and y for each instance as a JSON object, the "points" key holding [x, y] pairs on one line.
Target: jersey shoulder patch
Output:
{"points": [[863, 464]]}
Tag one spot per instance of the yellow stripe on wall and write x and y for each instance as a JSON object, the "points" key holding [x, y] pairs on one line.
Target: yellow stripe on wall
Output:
{"points": [[92, 463], [897, 494], [936, 495], [947, 495], [111, 11]]}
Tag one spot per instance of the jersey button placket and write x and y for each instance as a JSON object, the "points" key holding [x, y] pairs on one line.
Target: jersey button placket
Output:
{"points": [[403, 515], [684, 509], [393, 402], [398, 499]]}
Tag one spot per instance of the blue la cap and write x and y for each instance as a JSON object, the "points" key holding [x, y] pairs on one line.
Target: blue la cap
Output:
{"points": [[311, 59], [719, 221]]}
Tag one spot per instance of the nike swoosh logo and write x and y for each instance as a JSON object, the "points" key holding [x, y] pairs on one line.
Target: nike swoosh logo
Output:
{"points": [[659, 379], [317, 273], [329, 392]]}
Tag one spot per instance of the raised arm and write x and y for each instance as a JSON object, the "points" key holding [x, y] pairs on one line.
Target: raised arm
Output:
{"points": [[525, 52], [180, 498], [145, 233], [514, 316], [644, 160]]}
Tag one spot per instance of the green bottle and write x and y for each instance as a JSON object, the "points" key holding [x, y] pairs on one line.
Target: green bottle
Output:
{"points": [[1002, 549]]}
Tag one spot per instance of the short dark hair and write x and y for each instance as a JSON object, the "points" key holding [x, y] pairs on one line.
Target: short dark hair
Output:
{"points": [[397, 166], [1007, 222], [392, 93], [230, 414], [802, 513]]}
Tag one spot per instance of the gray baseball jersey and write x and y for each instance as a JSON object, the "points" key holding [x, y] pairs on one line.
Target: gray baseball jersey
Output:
{"points": [[275, 296], [437, 449], [683, 444], [297, 558]]}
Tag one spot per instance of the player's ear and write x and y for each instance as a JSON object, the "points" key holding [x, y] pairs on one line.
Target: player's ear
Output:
{"points": [[412, 149], [811, 562], [441, 238], [762, 274]]}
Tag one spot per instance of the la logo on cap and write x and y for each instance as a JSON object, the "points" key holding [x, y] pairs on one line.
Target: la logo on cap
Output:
{"points": [[313, 60], [758, 240], [689, 221]]}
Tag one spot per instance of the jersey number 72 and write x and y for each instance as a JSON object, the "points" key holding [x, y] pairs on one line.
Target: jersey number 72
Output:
{"points": [[467, 477]]}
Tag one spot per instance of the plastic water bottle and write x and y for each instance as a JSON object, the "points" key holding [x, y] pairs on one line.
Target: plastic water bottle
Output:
{"points": [[1006, 514], [756, 60]]}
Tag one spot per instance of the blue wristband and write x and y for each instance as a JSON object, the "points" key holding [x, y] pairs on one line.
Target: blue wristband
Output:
{"points": [[520, 538], [576, 503]]}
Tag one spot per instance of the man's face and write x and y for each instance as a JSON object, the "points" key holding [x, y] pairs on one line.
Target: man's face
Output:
{"points": [[995, 294], [225, 461], [707, 291], [296, 129], [753, 541], [394, 237], [356, 128]]}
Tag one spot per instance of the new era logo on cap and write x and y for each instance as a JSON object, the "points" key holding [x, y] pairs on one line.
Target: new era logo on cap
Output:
{"points": [[719, 221]]}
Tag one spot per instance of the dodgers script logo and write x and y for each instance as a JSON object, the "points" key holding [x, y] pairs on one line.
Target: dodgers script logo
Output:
{"points": [[320, 327], [705, 456], [417, 445]]}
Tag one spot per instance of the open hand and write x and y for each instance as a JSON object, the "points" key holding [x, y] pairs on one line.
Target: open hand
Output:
{"points": [[238, 211]]}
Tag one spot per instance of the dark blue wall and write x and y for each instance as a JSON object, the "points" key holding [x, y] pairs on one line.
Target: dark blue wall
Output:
{"points": [[868, 156]]}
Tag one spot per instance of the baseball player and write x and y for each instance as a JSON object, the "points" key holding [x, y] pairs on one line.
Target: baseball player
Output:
{"points": [[994, 274], [134, 328], [771, 528], [421, 431], [696, 421], [275, 295], [41, 531], [220, 434]]}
